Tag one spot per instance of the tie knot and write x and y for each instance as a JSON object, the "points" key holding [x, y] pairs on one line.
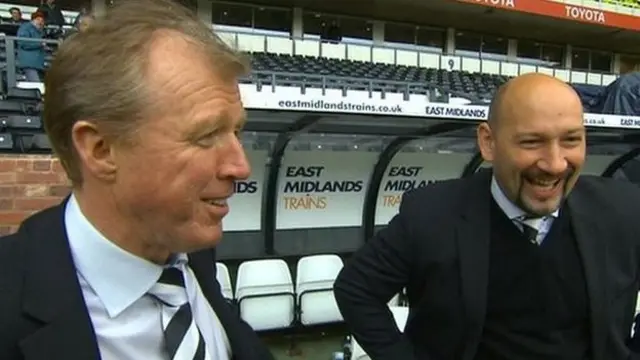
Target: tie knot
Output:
{"points": [[530, 226], [172, 276], [170, 288]]}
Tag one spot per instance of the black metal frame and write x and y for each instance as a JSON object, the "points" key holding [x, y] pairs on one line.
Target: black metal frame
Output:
{"points": [[385, 158], [619, 162], [273, 165], [472, 166]]}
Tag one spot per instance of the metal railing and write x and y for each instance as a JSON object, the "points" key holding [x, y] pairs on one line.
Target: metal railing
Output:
{"points": [[325, 82], [257, 41], [10, 66]]}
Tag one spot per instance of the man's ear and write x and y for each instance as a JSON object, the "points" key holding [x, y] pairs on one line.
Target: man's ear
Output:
{"points": [[485, 141], [95, 150]]}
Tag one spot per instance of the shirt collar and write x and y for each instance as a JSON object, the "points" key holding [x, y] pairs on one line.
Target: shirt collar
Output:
{"points": [[106, 267], [512, 211]]}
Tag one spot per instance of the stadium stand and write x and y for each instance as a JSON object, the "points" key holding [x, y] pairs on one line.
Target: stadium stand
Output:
{"points": [[359, 75]]}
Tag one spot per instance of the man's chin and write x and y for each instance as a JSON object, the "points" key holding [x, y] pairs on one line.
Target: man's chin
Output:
{"points": [[538, 208], [205, 238]]}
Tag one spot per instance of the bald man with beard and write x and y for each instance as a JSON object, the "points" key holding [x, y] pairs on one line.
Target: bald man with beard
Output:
{"points": [[527, 260]]}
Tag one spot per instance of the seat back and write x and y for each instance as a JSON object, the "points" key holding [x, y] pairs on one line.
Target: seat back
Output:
{"points": [[316, 275], [6, 141], [395, 301], [265, 294], [224, 279]]}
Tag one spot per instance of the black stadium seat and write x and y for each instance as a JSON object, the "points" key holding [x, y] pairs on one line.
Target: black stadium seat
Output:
{"points": [[32, 143], [6, 141], [8, 107], [21, 122], [359, 75], [29, 95], [40, 142]]}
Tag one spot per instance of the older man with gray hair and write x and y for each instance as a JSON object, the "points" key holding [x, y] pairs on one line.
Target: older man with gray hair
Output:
{"points": [[143, 110]]}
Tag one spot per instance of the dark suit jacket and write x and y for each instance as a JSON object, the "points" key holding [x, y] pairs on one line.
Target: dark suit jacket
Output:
{"points": [[42, 311], [438, 247]]}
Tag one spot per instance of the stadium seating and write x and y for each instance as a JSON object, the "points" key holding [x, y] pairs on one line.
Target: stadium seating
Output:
{"points": [[224, 279], [359, 75], [6, 141], [265, 294], [315, 276]]}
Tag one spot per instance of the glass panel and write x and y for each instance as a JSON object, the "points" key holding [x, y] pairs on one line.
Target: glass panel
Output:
{"points": [[273, 19], [468, 41], [235, 15], [494, 45], [553, 53], [431, 37], [580, 59], [601, 61], [356, 28], [528, 49], [399, 33]]}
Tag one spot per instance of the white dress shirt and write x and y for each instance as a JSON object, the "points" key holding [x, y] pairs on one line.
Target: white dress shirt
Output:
{"points": [[514, 213], [115, 283]]}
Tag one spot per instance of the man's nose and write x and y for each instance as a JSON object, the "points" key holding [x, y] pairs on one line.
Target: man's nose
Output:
{"points": [[554, 161], [234, 163]]}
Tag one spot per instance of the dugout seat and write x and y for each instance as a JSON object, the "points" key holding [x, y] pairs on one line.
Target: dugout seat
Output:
{"points": [[265, 294], [314, 289]]}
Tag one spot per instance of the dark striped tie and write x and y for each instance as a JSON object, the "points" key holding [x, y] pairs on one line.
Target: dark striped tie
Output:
{"points": [[529, 230], [183, 339]]}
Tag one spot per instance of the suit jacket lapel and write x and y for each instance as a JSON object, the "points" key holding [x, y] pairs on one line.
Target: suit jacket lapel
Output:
{"points": [[590, 237], [52, 294], [473, 249], [203, 266]]}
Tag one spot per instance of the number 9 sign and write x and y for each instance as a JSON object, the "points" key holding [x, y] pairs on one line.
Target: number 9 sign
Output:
{"points": [[450, 63]]}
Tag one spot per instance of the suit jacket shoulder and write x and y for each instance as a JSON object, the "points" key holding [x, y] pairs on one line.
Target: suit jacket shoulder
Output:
{"points": [[447, 198], [14, 265], [614, 192]]}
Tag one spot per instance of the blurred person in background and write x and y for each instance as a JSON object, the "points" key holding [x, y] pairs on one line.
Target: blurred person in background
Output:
{"points": [[31, 54], [83, 11], [84, 21], [53, 13], [15, 16]]}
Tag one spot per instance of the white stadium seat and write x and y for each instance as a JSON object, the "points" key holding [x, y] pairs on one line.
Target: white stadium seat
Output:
{"points": [[395, 301], [314, 289], [224, 279], [265, 296], [400, 315]]}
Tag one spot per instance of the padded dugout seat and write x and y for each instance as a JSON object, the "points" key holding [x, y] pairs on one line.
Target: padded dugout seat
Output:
{"points": [[265, 294], [315, 277], [224, 279]]}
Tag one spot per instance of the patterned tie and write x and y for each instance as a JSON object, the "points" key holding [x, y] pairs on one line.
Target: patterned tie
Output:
{"points": [[183, 339], [529, 229]]}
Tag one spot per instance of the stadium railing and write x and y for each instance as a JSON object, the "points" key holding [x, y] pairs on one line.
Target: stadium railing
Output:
{"points": [[403, 56], [254, 42], [9, 66]]}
